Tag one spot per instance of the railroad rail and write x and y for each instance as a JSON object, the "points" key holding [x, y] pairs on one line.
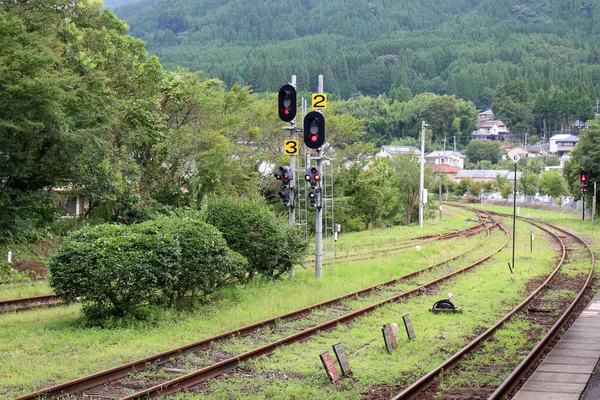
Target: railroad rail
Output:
{"points": [[513, 380], [419, 387], [27, 303], [364, 255], [78, 387]]}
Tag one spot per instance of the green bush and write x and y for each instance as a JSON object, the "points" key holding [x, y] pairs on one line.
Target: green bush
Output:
{"points": [[113, 269], [271, 246], [205, 262], [116, 270]]}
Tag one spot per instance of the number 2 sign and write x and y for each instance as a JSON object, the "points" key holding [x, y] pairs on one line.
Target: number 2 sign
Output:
{"points": [[319, 100]]}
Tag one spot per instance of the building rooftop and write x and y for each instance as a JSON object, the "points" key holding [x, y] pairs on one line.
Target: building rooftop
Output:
{"points": [[444, 168], [442, 153], [486, 174]]}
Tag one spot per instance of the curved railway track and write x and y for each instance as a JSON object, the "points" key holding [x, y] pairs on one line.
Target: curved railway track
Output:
{"points": [[397, 247], [421, 389], [45, 300], [120, 382]]}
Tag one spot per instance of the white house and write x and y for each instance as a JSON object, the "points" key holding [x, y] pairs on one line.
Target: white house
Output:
{"points": [[485, 115], [562, 144], [485, 175], [446, 157], [389, 151], [490, 130]]}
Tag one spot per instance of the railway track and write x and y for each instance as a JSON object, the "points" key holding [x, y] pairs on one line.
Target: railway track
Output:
{"points": [[397, 247], [553, 321], [28, 303], [140, 379]]}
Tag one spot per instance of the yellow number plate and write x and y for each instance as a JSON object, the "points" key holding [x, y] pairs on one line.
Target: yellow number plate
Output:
{"points": [[319, 100], [290, 147]]}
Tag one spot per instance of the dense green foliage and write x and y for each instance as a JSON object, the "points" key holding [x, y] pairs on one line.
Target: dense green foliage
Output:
{"points": [[85, 108], [116, 269], [461, 47], [585, 156], [204, 261], [271, 248]]}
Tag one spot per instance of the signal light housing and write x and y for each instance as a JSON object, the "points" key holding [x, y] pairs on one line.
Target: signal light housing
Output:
{"points": [[285, 174], [583, 178], [285, 198], [287, 103], [314, 130], [313, 197], [312, 176]]}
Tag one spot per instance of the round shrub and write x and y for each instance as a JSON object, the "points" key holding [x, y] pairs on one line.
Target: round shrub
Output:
{"points": [[271, 246], [116, 269], [113, 269], [205, 262]]}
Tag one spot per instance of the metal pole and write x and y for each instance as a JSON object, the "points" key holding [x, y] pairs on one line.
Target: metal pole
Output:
{"points": [[422, 175], [514, 217], [293, 192], [319, 208], [583, 205], [594, 205], [440, 197], [293, 136]]}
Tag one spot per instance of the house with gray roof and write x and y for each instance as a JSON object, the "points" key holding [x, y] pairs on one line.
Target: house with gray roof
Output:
{"points": [[389, 151], [446, 158], [562, 144], [485, 175]]}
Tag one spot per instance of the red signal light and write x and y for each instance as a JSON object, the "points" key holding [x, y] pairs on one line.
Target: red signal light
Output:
{"points": [[583, 177]]}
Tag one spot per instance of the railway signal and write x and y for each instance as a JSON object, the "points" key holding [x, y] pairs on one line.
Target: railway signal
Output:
{"points": [[583, 178], [285, 174], [285, 198], [313, 176], [313, 197], [583, 181], [314, 130], [287, 103]]}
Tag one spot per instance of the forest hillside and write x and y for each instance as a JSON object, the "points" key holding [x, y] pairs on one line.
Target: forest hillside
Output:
{"points": [[462, 47]]}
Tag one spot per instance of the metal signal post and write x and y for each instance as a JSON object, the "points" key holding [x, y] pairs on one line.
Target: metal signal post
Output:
{"points": [[319, 208], [287, 112]]}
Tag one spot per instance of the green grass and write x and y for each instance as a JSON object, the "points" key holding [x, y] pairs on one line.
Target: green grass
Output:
{"points": [[482, 295], [45, 347], [24, 289]]}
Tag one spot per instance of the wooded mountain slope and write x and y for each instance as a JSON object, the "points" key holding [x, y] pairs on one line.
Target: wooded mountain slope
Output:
{"points": [[462, 47]]}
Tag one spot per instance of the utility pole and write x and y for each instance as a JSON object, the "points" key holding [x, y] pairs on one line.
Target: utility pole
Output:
{"points": [[424, 126]]}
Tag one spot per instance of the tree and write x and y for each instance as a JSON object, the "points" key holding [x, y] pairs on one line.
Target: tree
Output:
{"points": [[529, 182], [478, 150], [585, 155], [405, 177], [552, 184]]}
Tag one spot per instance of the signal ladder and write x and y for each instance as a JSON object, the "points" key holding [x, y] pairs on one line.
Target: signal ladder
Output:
{"points": [[303, 207]]}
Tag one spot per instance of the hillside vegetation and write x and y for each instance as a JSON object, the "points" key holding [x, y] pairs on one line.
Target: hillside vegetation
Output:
{"points": [[461, 47]]}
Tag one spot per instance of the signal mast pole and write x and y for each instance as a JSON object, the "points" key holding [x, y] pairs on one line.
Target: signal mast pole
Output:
{"points": [[319, 208], [293, 136]]}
